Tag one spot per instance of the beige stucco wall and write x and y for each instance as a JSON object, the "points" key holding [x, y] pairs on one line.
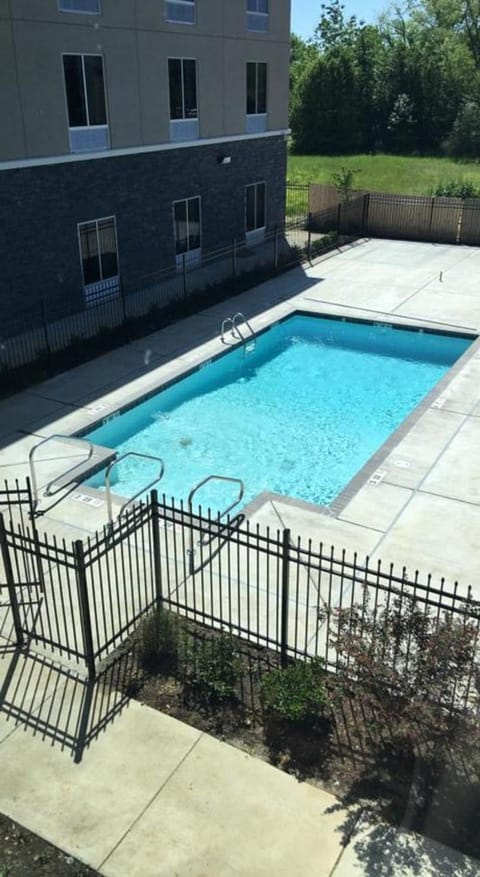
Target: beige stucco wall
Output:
{"points": [[136, 42]]}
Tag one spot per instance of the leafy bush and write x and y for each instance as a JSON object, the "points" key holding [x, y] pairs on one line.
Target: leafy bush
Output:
{"points": [[412, 667], [159, 638], [296, 693], [343, 180], [457, 189], [464, 138], [212, 668]]}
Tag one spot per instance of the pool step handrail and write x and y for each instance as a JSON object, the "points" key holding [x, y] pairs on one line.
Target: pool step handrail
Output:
{"points": [[249, 343], [108, 488], [49, 491], [220, 515]]}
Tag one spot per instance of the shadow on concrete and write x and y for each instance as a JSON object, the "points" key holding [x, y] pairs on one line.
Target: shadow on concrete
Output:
{"points": [[32, 408], [57, 703]]}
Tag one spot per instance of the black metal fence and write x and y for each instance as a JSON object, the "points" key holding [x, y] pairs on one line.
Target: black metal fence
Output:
{"points": [[81, 600], [54, 338], [297, 200]]}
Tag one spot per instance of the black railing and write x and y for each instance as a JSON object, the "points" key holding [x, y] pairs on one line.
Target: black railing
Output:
{"points": [[55, 340], [82, 600], [297, 200]]}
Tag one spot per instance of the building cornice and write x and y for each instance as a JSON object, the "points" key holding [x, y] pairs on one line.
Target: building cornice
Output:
{"points": [[136, 150]]}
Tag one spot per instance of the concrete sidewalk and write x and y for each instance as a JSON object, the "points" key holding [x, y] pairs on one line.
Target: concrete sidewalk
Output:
{"points": [[151, 796]]}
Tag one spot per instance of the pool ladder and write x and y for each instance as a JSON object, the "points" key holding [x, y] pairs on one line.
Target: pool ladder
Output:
{"points": [[207, 538], [66, 478], [249, 342]]}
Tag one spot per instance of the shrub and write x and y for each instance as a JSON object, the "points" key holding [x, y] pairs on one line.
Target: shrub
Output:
{"points": [[212, 668], [296, 693], [159, 638], [413, 667], [343, 180], [457, 189]]}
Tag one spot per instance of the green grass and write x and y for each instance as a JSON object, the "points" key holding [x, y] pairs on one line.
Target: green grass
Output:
{"points": [[384, 173]]}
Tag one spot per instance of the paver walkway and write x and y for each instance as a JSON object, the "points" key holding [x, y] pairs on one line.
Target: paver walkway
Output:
{"points": [[152, 797]]}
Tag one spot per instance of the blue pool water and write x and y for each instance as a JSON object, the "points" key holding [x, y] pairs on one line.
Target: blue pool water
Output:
{"points": [[299, 416]]}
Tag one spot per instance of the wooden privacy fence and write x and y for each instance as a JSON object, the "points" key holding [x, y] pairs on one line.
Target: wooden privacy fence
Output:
{"points": [[405, 217], [82, 600]]}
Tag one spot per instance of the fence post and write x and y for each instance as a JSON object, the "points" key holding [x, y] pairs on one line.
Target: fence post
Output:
{"points": [[234, 257], [285, 585], [184, 273], [84, 608], [339, 216], [157, 569], [309, 240], [46, 338], [366, 205], [124, 311], [7, 564], [275, 248]]}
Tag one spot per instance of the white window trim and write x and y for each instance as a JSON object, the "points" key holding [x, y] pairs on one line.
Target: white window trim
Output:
{"points": [[106, 280], [79, 11], [88, 127], [267, 97], [182, 3], [190, 255], [256, 235], [261, 16], [184, 118]]}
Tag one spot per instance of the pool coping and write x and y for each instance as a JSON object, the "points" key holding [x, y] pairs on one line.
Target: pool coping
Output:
{"points": [[366, 474]]}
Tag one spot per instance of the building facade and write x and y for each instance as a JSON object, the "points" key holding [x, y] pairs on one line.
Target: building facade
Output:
{"points": [[134, 134]]}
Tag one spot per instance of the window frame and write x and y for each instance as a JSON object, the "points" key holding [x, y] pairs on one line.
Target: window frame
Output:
{"points": [[88, 127], [79, 11], [186, 3], [256, 123], [110, 291], [256, 234], [186, 128], [192, 256], [261, 17], [182, 60]]}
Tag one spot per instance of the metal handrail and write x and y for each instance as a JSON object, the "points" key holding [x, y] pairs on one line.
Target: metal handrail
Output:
{"points": [[244, 320], [229, 321], [108, 489], [233, 322], [203, 541], [33, 476]]}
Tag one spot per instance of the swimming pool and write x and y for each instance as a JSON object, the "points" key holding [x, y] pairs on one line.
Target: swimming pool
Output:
{"points": [[298, 416]]}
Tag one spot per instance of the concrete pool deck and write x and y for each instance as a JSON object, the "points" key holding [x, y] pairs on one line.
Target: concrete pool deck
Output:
{"points": [[424, 509], [220, 811]]}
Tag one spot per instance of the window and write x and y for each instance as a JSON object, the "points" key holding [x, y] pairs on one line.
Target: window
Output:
{"points": [[255, 209], [91, 6], [87, 112], [180, 11], [182, 80], [98, 254], [257, 15], [256, 97], [186, 221]]}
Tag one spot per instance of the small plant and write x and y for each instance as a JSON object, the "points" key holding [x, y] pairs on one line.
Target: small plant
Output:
{"points": [[297, 693], [212, 668], [159, 638], [343, 181], [457, 189]]}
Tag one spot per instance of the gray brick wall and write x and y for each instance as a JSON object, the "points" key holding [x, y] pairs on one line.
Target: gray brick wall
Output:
{"points": [[41, 206]]}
